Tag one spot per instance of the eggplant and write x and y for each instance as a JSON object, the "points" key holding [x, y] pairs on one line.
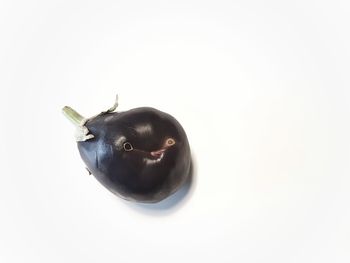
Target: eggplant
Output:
{"points": [[140, 155]]}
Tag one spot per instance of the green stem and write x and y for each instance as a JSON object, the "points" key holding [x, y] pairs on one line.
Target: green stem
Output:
{"points": [[73, 116]]}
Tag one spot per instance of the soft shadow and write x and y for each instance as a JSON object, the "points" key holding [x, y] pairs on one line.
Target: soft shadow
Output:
{"points": [[173, 202]]}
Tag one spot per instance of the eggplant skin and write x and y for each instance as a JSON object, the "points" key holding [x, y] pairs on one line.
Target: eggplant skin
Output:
{"points": [[141, 155]]}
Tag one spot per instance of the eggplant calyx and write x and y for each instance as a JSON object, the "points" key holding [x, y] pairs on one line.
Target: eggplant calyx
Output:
{"points": [[114, 107], [110, 110], [82, 132]]}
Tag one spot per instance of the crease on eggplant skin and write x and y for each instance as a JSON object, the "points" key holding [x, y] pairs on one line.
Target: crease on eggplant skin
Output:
{"points": [[96, 160]]}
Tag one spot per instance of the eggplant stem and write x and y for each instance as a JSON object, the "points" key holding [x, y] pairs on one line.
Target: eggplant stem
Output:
{"points": [[82, 132], [73, 116]]}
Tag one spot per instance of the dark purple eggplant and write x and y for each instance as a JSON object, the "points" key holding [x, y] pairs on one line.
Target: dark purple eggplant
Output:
{"points": [[141, 154]]}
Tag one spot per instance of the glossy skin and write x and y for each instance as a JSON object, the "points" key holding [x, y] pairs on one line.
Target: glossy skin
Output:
{"points": [[140, 155]]}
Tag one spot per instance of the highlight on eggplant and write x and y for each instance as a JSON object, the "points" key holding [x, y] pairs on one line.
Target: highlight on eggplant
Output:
{"points": [[141, 155]]}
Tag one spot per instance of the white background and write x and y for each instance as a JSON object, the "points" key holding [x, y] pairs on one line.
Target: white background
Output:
{"points": [[261, 87]]}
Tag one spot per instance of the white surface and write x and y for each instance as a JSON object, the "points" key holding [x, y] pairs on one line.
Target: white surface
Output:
{"points": [[261, 87]]}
